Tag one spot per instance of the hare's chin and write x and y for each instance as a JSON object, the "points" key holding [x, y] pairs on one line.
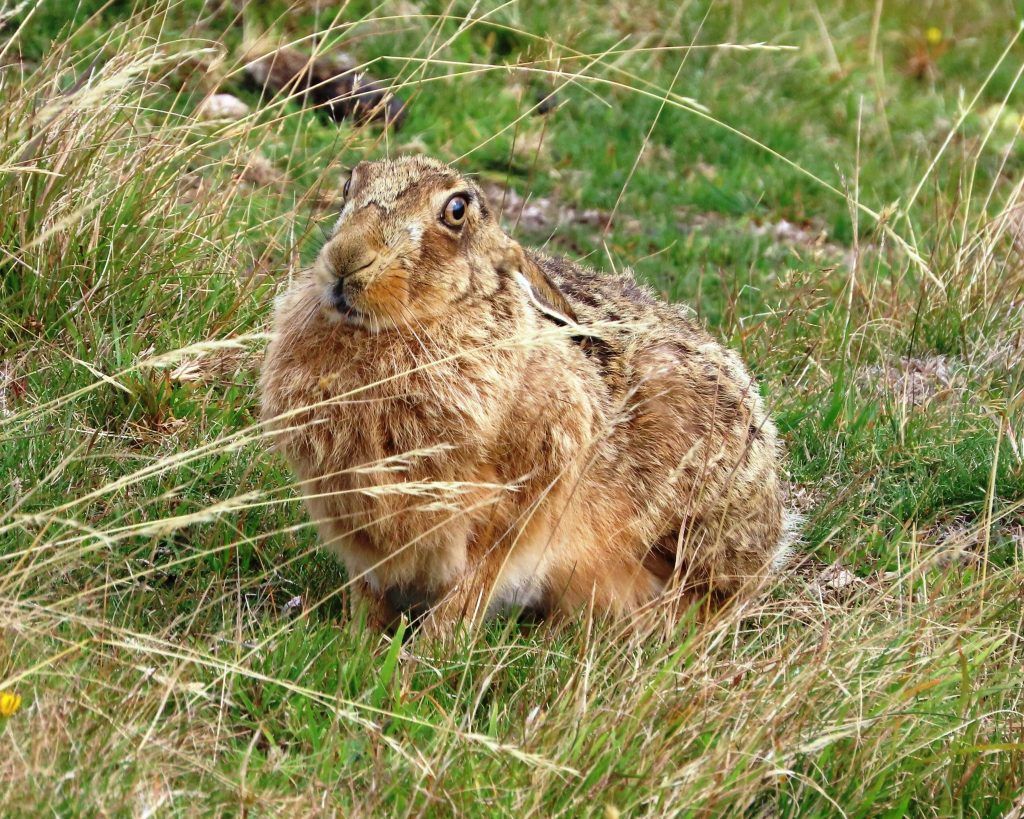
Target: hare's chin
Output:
{"points": [[349, 318]]}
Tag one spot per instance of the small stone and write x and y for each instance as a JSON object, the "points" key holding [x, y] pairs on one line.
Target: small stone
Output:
{"points": [[835, 578], [222, 106]]}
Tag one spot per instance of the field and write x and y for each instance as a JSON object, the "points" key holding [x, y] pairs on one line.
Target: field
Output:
{"points": [[835, 188]]}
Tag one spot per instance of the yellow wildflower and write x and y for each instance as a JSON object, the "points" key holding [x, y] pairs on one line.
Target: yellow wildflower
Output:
{"points": [[9, 703], [933, 35]]}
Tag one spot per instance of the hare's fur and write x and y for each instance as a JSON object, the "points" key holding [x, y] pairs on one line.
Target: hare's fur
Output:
{"points": [[478, 425]]}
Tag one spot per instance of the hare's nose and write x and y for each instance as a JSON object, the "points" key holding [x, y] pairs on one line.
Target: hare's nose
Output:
{"points": [[355, 266], [338, 297], [344, 262]]}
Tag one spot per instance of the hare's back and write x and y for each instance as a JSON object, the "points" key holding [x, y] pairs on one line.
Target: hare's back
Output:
{"points": [[648, 347], [633, 309]]}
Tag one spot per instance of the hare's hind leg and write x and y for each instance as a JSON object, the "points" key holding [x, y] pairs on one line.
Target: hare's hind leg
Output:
{"points": [[714, 475], [730, 551]]}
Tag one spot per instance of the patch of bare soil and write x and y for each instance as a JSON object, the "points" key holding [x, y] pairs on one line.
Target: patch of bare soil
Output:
{"points": [[954, 542], [9, 388], [252, 169], [1005, 350], [817, 581], [914, 381], [803, 499], [539, 214], [962, 542], [222, 366], [805, 238]]}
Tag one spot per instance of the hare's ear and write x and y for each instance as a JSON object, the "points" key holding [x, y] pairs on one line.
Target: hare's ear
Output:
{"points": [[542, 291]]}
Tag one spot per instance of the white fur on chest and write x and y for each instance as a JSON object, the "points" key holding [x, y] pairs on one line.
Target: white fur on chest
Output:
{"points": [[523, 577]]}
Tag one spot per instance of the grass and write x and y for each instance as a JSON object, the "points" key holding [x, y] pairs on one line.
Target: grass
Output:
{"points": [[836, 190]]}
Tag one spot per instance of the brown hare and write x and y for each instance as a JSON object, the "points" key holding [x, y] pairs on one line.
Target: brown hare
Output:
{"points": [[477, 426]]}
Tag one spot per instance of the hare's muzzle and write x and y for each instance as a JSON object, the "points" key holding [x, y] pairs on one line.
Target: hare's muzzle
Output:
{"points": [[342, 279]]}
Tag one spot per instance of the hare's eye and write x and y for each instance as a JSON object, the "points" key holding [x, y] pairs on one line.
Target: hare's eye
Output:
{"points": [[455, 211], [347, 188]]}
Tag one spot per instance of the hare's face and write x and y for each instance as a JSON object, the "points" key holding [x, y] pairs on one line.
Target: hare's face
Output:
{"points": [[413, 240]]}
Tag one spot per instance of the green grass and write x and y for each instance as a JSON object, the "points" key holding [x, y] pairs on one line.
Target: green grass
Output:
{"points": [[150, 545]]}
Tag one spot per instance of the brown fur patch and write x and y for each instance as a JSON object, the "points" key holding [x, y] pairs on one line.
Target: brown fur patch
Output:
{"points": [[386, 294]]}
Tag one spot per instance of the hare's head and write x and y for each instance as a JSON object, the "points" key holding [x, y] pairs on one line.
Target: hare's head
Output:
{"points": [[416, 241]]}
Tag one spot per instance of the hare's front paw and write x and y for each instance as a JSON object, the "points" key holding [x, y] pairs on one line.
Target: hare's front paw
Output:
{"points": [[435, 629], [461, 610], [380, 614]]}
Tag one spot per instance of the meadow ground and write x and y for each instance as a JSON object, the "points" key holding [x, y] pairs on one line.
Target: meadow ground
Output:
{"points": [[836, 189]]}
